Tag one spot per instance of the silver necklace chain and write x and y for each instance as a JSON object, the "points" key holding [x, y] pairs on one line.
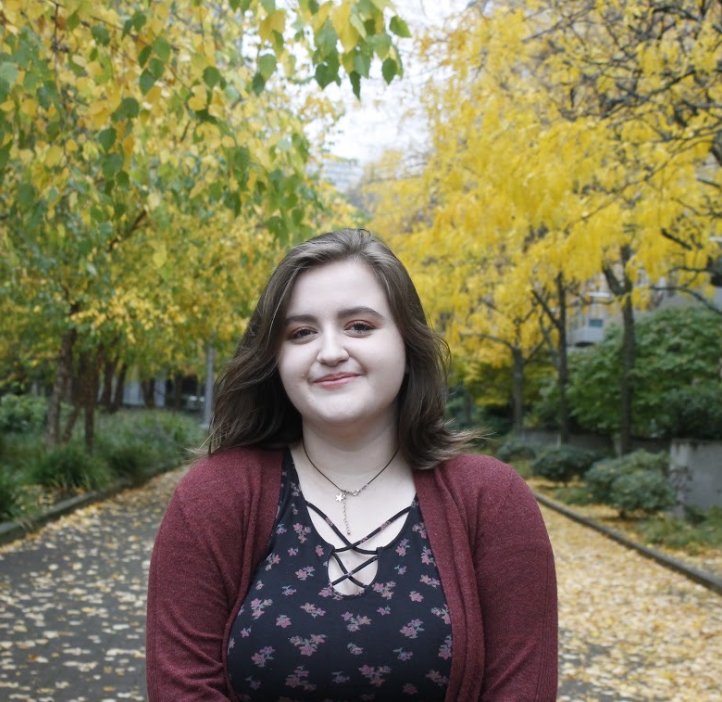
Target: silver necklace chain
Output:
{"points": [[343, 494]]}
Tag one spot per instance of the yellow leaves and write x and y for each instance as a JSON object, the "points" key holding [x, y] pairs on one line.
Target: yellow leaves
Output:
{"points": [[159, 255], [341, 21], [159, 17], [12, 11], [321, 15], [29, 107], [273, 22], [199, 97], [53, 156], [128, 145]]}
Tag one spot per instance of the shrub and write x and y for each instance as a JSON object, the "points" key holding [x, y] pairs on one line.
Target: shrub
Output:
{"points": [[514, 448], [136, 444], [696, 411], [126, 461], [9, 496], [70, 466], [22, 413], [645, 491], [633, 483], [171, 434], [562, 463]]}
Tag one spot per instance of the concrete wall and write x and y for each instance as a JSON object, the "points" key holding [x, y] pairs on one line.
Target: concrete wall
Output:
{"points": [[695, 469], [550, 437]]}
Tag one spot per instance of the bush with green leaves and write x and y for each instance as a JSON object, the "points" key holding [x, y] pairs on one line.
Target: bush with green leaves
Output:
{"points": [[676, 348], [69, 467], [514, 449], [562, 463], [625, 482], [138, 443], [131, 461], [645, 491], [9, 496], [22, 413], [696, 411]]}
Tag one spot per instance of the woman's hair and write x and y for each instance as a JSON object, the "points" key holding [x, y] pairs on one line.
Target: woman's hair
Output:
{"points": [[252, 407]]}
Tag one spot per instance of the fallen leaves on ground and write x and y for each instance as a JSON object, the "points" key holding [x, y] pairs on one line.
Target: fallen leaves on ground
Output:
{"points": [[72, 612], [631, 629], [72, 602]]}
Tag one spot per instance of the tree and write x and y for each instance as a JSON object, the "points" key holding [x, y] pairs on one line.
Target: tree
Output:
{"points": [[678, 351], [577, 139], [151, 164]]}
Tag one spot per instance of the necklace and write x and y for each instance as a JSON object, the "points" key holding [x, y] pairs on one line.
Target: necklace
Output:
{"points": [[343, 494]]}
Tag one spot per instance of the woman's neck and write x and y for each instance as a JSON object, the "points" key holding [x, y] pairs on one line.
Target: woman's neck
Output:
{"points": [[350, 455]]}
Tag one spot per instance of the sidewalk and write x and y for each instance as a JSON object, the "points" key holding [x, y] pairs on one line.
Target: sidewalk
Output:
{"points": [[72, 609], [72, 602]]}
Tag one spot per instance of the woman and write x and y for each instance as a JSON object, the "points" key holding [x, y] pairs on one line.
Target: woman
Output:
{"points": [[336, 544]]}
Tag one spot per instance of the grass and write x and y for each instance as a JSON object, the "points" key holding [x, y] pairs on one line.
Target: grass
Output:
{"points": [[131, 445]]}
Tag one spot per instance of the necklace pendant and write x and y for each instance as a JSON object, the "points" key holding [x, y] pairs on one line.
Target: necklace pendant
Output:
{"points": [[340, 496]]}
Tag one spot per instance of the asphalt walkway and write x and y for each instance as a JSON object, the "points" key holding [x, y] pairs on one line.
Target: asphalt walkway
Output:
{"points": [[72, 608]]}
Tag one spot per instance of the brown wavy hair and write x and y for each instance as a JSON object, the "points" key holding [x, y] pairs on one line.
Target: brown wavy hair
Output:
{"points": [[252, 408]]}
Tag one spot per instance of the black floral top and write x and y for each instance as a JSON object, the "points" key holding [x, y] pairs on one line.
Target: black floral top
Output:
{"points": [[297, 638]]}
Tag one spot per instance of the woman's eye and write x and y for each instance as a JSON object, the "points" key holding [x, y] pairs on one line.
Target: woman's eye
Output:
{"points": [[300, 334], [360, 327]]}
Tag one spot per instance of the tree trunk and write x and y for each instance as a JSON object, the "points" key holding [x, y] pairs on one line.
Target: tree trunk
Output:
{"points": [[119, 388], [563, 370], [517, 390], [62, 377], [627, 381], [177, 392], [91, 385], [208, 390], [622, 290], [106, 398], [148, 388], [85, 396]]}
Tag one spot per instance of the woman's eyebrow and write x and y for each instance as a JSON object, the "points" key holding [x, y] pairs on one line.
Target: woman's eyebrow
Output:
{"points": [[360, 310], [341, 314]]}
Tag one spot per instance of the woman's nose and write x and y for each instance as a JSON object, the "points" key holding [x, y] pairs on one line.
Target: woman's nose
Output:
{"points": [[333, 350]]}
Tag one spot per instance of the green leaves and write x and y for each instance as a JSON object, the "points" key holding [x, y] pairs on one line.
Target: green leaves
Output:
{"points": [[106, 138], [101, 34], [326, 40], [212, 76], [153, 57], [399, 27], [266, 65], [8, 73], [129, 109], [327, 72], [390, 69]]}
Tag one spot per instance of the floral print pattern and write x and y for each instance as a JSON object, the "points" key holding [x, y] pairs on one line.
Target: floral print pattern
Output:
{"points": [[301, 640]]}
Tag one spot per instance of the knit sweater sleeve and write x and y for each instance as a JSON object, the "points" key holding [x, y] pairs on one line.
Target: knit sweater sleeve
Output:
{"points": [[516, 580], [212, 535]]}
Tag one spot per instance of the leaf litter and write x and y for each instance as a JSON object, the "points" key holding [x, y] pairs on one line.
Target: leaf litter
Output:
{"points": [[72, 612]]}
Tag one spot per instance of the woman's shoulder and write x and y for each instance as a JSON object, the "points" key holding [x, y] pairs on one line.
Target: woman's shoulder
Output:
{"points": [[229, 476], [475, 470], [478, 481], [490, 496]]}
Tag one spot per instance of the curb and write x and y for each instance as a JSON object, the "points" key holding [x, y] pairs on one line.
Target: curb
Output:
{"points": [[11, 531], [701, 577]]}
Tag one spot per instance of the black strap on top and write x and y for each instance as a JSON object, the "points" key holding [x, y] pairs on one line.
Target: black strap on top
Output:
{"points": [[355, 546]]}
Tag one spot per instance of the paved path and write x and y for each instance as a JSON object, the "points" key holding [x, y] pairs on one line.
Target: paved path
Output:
{"points": [[72, 601]]}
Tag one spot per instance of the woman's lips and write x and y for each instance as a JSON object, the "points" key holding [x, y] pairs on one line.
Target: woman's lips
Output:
{"points": [[335, 379]]}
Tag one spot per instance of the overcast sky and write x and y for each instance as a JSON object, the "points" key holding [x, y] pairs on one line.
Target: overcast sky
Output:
{"points": [[380, 120]]}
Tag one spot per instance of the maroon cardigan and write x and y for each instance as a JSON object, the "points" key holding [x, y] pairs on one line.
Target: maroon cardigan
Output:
{"points": [[486, 533]]}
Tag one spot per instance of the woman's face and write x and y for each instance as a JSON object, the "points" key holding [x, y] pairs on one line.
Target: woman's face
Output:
{"points": [[342, 359]]}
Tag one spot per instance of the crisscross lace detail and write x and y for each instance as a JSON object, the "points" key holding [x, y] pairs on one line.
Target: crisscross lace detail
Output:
{"points": [[356, 547]]}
